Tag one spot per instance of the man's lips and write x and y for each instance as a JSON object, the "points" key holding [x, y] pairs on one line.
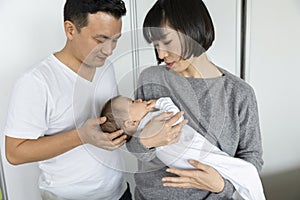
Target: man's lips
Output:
{"points": [[101, 58]]}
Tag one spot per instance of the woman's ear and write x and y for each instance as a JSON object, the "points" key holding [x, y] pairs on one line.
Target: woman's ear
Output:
{"points": [[70, 29]]}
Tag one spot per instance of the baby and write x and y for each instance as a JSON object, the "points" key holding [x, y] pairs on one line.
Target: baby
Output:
{"points": [[131, 116]]}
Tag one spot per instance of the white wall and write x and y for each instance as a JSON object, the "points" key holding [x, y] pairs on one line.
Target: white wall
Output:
{"points": [[33, 29], [30, 30], [273, 70]]}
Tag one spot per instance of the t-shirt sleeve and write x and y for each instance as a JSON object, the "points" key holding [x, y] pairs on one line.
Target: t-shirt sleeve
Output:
{"points": [[26, 117]]}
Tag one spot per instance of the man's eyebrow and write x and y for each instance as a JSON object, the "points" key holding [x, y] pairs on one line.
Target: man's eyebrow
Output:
{"points": [[107, 37]]}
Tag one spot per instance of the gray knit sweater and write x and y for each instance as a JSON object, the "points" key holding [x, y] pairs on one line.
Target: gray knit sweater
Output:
{"points": [[223, 110]]}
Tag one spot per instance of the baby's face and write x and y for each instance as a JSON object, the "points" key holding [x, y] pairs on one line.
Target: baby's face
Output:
{"points": [[136, 109]]}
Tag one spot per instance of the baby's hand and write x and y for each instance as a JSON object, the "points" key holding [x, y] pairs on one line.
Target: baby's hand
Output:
{"points": [[151, 104]]}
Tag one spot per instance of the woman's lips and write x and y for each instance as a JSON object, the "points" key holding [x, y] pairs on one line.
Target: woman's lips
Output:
{"points": [[169, 64]]}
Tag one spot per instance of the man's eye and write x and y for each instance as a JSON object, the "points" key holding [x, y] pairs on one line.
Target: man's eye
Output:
{"points": [[99, 41]]}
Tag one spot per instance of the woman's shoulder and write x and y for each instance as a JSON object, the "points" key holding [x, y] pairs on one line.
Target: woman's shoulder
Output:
{"points": [[236, 84], [154, 69], [153, 72]]}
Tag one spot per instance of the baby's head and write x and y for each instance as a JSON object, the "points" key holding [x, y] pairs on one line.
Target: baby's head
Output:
{"points": [[123, 113]]}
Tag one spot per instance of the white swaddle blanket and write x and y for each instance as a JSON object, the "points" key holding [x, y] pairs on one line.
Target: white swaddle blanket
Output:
{"points": [[192, 145]]}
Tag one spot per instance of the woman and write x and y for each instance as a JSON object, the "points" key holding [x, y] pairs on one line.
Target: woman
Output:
{"points": [[217, 104]]}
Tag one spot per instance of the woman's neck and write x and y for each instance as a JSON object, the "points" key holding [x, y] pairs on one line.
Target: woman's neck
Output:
{"points": [[202, 67]]}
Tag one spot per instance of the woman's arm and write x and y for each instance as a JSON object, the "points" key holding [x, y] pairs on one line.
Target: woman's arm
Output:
{"points": [[249, 149], [250, 143], [158, 132]]}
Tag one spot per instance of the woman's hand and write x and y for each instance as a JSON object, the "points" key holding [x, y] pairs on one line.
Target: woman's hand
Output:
{"points": [[204, 177], [160, 132], [151, 104]]}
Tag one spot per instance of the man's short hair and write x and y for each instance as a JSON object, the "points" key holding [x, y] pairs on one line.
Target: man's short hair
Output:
{"points": [[77, 11]]}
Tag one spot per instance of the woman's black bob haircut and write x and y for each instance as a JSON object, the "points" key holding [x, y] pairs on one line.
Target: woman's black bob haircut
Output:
{"points": [[189, 17]]}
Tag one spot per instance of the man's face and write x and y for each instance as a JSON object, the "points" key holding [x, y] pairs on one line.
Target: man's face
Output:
{"points": [[96, 41]]}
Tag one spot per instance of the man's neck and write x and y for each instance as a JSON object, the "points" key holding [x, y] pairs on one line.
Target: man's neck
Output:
{"points": [[78, 67]]}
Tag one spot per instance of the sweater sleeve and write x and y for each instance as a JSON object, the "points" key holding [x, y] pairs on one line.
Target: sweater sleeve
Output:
{"points": [[250, 144], [139, 150]]}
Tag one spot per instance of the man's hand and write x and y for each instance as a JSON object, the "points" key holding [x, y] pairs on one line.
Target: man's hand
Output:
{"points": [[91, 133]]}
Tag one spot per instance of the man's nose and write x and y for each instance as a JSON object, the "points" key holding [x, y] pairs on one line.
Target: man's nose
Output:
{"points": [[108, 48]]}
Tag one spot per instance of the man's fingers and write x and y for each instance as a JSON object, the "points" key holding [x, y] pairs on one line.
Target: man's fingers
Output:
{"points": [[101, 120], [120, 140], [115, 134]]}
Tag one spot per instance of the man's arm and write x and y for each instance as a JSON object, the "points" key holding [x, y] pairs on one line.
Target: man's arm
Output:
{"points": [[19, 151]]}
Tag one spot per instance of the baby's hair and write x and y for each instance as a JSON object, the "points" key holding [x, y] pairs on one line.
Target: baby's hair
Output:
{"points": [[109, 111]]}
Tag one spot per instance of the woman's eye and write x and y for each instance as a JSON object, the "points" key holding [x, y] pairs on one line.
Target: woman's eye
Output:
{"points": [[167, 42]]}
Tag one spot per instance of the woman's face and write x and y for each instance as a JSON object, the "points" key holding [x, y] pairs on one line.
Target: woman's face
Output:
{"points": [[169, 49]]}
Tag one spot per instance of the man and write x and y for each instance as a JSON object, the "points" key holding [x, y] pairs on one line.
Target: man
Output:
{"points": [[51, 118]]}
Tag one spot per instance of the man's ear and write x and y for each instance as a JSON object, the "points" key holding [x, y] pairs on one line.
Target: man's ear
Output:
{"points": [[70, 29]]}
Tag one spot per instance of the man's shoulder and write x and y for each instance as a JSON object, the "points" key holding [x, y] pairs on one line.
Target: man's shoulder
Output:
{"points": [[39, 72]]}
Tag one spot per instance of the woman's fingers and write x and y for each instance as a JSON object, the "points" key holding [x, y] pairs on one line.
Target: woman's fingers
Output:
{"points": [[164, 116], [183, 172], [199, 165], [175, 118]]}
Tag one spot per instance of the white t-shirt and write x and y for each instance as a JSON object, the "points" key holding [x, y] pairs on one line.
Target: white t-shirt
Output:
{"points": [[51, 99]]}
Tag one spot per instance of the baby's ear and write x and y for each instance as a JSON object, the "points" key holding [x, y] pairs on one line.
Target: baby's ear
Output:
{"points": [[131, 123]]}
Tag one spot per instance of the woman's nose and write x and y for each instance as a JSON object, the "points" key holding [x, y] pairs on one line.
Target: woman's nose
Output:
{"points": [[162, 53]]}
